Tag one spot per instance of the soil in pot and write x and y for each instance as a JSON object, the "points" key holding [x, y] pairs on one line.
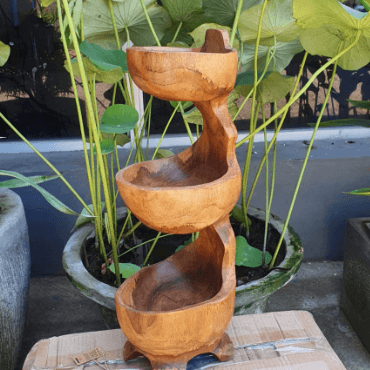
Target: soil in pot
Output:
{"points": [[166, 246]]}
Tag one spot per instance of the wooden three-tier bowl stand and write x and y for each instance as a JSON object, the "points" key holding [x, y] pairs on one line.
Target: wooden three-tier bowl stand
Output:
{"points": [[181, 307]]}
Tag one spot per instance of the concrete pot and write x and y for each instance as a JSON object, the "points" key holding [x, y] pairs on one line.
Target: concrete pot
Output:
{"points": [[15, 263], [355, 300], [250, 298]]}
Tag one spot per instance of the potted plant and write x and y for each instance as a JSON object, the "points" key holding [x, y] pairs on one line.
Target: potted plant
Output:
{"points": [[265, 49]]}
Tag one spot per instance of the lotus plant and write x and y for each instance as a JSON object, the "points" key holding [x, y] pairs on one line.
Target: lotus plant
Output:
{"points": [[267, 35]]}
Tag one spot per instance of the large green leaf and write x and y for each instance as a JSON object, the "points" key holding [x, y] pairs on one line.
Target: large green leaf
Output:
{"points": [[274, 88], [248, 256], [125, 269], [17, 183], [56, 203], [4, 53], [98, 24], [103, 59], [284, 53], [278, 24], [109, 77], [194, 115], [344, 122], [328, 26], [223, 11], [199, 34], [181, 10], [119, 119]]}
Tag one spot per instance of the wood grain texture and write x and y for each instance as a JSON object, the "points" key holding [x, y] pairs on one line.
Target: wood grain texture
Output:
{"points": [[181, 307]]}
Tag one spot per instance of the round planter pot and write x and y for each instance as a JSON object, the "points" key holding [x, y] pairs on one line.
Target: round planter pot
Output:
{"points": [[15, 263], [250, 298]]}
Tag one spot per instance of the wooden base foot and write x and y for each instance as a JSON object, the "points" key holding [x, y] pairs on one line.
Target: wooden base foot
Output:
{"points": [[224, 351]]}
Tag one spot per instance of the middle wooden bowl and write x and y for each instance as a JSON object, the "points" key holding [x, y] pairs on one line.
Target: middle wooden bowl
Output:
{"points": [[179, 194]]}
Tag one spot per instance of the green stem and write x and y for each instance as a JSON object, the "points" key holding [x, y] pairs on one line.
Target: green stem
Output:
{"points": [[304, 164], [186, 123], [118, 43], [90, 113], [150, 23], [246, 171], [48, 163], [236, 21], [139, 245], [302, 91], [177, 32], [165, 130], [133, 228], [151, 249], [273, 140], [268, 60], [266, 187]]}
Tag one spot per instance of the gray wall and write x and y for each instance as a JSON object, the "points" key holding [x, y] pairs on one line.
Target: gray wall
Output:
{"points": [[319, 216]]}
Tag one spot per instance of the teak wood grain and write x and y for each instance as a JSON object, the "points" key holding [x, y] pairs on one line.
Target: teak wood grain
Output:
{"points": [[181, 307]]}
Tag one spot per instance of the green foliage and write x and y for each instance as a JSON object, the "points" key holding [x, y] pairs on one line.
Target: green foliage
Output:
{"points": [[119, 119], [278, 23], [110, 77], [328, 26], [247, 255], [84, 217], [4, 53], [129, 16], [49, 197], [282, 54], [360, 104], [237, 213], [103, 59], [273, 88], [194, 115], [19, 183], [223, 11], [125, 269], [121, 139], [182, 10]]}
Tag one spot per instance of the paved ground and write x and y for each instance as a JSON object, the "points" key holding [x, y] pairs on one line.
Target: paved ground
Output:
{"points": [[57, 308]]}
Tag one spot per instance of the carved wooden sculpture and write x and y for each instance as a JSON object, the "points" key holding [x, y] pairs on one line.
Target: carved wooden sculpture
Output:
{"points": [[181, 307]]}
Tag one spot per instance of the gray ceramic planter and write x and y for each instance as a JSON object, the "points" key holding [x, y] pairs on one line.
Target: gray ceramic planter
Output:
{"points": [[15, 266], [250, 298]]}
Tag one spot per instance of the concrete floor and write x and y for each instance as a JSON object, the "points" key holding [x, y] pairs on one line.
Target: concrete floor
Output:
{"points": [[56, 308]]}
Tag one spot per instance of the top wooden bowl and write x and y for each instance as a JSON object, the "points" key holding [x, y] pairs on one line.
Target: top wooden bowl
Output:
{"points": [[185, 74]]}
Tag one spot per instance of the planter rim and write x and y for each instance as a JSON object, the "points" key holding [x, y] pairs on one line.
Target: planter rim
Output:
{"points": [[104, 294], [292, 242]]}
